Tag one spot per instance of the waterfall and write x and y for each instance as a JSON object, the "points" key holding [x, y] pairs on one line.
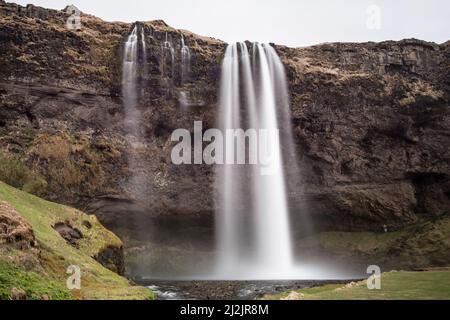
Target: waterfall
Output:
{"points": [[185, 74], [252, 212], [129, 79], [185, 61], [133, 64], [184, 100], [133, 68], [168, 50], [144, 46]]}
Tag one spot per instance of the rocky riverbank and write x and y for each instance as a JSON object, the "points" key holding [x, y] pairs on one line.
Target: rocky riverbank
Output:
{"points": [[227, 290]]}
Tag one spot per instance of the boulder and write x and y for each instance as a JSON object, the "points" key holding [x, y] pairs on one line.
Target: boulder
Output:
{"points": [[294, 296], [18, 294]]}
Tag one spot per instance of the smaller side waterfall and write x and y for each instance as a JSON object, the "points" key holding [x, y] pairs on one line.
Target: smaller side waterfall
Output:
{"points": [[129, 80], [144, 45], [184, 97], [185, 61], [168, 52], [134, 56], [133, 72]]}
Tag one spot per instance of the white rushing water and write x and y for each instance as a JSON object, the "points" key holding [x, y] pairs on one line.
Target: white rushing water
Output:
{"points": [[185, 61], [184, 97], [133, 64], [254, 238], [144, 45], [134, 50], [168, 52], [129, 79]]}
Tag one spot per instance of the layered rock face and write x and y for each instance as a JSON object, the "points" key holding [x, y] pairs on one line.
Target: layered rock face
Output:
{"points": [[371, 123], [62, 111]]}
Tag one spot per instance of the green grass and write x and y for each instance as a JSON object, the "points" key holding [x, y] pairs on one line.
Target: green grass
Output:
{"points": [[14, 172], [422, 245], [56, 255], [34, 284], [402, 285]]}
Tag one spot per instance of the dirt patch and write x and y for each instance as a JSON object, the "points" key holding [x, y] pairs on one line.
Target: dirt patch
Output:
{"points": [[70, 234], [14, 230]]}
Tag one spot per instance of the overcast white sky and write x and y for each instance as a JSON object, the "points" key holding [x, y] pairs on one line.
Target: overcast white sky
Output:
{"points": [[289, 22]]}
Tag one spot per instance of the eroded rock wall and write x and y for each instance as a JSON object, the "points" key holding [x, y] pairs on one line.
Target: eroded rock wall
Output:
{"points": [[371, 122]]}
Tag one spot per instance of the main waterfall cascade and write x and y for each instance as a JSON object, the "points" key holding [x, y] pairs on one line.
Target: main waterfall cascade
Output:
{"points": [[254, 239], [253, 229], [168, 52]]}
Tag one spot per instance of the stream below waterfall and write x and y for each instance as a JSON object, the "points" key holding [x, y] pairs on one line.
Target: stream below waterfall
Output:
{"points": [[227, 290]]}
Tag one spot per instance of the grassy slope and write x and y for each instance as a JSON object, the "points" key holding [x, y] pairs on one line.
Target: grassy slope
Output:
{"points": [[418, 246], [394, 286], [56, 255]]}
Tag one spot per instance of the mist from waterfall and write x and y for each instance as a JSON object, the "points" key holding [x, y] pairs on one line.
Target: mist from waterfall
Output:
{"points": [[254, 238]]}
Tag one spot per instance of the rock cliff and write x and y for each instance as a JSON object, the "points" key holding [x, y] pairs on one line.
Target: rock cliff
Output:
{"points": [[371, 122]]}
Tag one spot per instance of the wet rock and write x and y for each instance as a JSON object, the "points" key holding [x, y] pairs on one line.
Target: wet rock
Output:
{"points": [[112, 259]]}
